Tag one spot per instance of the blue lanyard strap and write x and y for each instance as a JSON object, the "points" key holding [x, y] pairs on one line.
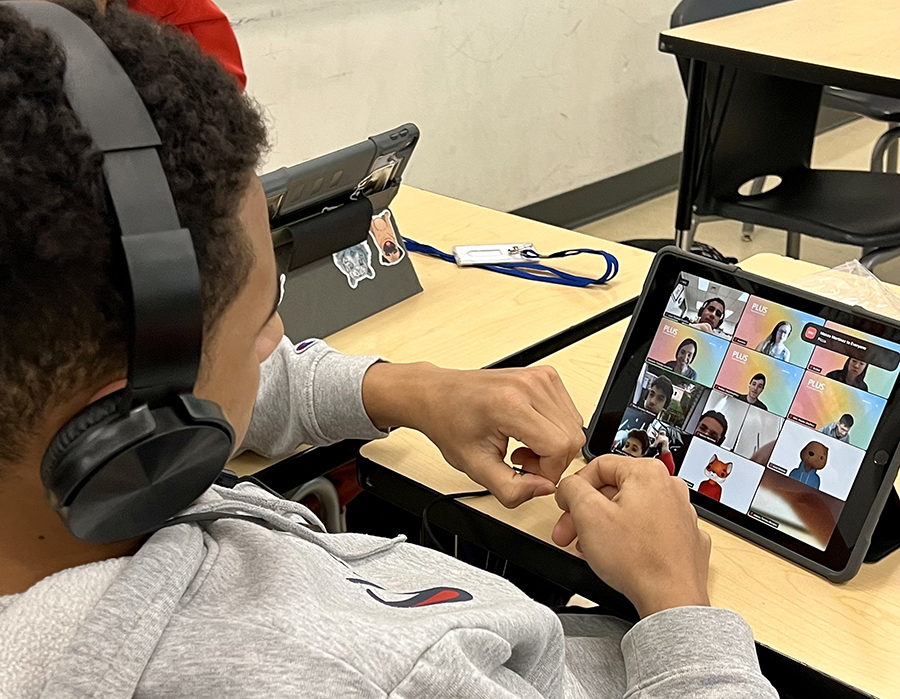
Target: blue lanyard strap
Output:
{"points": [[533, 271]]}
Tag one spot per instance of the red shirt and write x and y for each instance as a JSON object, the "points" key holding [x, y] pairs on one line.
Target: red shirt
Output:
{"points": [[203, 20]]}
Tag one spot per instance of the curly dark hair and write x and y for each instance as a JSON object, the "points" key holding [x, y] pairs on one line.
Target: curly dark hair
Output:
{"points": [[64, 298]]}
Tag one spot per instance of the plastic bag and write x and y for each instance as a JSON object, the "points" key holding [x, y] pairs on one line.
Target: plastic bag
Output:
{"points": [[853, 284]]}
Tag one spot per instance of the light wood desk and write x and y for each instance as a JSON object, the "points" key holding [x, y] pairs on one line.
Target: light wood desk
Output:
{"points": [[470, 318], [849, 631], [754, 84], [846, 43]]}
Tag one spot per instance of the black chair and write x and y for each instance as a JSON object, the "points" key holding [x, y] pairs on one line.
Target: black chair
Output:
{"points": [[886, 109], [764, 126]]}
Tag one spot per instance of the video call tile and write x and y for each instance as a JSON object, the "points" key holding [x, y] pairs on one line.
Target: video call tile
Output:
{"points": [[791, 507], [776, 331], [844, 413], [672, 397], [691, 353], [703, 303], [854, 358], [721, 475], [731, 409], [819, 462], [758, 433], [769, 383]]}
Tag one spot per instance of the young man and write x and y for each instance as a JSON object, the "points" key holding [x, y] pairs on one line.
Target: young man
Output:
{"points": [[754, 390], [712, 426], [840, 430], [227, 607], [659, 395], [711, 316]]}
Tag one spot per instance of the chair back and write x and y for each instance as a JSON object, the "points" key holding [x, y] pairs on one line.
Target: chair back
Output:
{"points": [[691, 11]]}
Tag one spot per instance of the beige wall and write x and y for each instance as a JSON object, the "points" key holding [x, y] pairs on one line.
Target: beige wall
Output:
{"points": [[517, 100]]}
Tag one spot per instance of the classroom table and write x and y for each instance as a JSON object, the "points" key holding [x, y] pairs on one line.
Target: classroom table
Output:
{"points": [[850, 631], [468, 318], [808, 43]]}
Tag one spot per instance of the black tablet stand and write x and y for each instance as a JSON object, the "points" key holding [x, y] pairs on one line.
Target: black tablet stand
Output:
{"points": [[886, 537]]}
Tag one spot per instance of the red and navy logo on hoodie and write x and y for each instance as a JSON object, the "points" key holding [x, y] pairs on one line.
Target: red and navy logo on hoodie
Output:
{"points": [[421, 598]]}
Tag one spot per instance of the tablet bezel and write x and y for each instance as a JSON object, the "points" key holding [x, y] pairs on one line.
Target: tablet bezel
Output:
{"points": [[852, 534]]}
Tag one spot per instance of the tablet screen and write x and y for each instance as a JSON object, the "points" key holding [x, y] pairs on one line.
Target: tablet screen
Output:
{"points": [[759, 406]]}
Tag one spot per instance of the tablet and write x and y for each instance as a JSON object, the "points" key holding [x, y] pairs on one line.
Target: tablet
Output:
{"points": [[336, 241], [777, 407]]}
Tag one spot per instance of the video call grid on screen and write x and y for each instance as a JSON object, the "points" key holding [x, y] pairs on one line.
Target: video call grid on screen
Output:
{"points": [[774, 398]]}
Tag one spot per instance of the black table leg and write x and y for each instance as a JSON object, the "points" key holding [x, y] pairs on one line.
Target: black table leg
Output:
{"points": [[690, 157]]}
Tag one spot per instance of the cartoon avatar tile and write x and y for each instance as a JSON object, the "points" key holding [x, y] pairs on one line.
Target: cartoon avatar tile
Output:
{"points": [[718, 471], [387, 242], [813, 458], [356, 263]]}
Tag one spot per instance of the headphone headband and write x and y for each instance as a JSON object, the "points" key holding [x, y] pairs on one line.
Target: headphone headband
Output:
{"points": [[162, 265], [122, 467]]}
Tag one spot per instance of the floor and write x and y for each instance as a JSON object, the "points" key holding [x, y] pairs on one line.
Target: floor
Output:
{"points": [[846, 147]]}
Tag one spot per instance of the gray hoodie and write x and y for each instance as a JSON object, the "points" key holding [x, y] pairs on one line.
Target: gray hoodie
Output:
{"points": [[272, 607]]}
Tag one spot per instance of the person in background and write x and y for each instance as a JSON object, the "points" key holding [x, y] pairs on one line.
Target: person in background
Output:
{"points": [[201, 19], [773, 345], [840, 430]]}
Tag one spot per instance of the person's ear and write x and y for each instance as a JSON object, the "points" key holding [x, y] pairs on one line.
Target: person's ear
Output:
{"points": [[108, 389]]}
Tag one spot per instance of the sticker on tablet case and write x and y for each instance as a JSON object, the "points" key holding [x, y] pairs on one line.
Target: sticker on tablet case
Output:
{"points": [[356, 263], [387, 242]]}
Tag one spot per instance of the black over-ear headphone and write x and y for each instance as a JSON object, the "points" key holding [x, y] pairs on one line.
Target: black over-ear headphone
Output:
{"points": [[130, 461]]}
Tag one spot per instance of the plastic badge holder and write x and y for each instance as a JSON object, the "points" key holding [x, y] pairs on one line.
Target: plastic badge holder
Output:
{"points": [[853, 284]]}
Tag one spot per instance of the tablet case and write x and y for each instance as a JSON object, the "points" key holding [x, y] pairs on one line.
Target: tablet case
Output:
{"points": [[880, 534], [321, 222]]}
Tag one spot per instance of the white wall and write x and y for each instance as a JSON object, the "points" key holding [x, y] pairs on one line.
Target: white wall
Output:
{"points": [[517, 100]]}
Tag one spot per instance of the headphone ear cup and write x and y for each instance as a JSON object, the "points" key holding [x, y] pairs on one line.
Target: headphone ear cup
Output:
{"points": [[89, 417]]}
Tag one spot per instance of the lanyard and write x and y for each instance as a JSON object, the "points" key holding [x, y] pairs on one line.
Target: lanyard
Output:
{"points": [[533, 271]]}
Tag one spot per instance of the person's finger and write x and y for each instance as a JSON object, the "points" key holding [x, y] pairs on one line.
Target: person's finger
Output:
{"points": [[553, 401], [560, 395], [544, 438], [564, 532], [615, 470], [577, 496], [509, 486]]}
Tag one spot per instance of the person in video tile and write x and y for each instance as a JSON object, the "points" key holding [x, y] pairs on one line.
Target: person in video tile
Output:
{"points": [[813, 458], [774, 345], [636, 443], [756, 386], [659, 395], [684, 355], [853, 373], [665, 454], [712, 313], [712, 427], [718, 471], [840, 430]]}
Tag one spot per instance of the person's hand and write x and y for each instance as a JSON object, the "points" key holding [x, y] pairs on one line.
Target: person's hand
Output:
{"points": [[705, 327], [472, 415], [635, 526], [662, 442]]}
